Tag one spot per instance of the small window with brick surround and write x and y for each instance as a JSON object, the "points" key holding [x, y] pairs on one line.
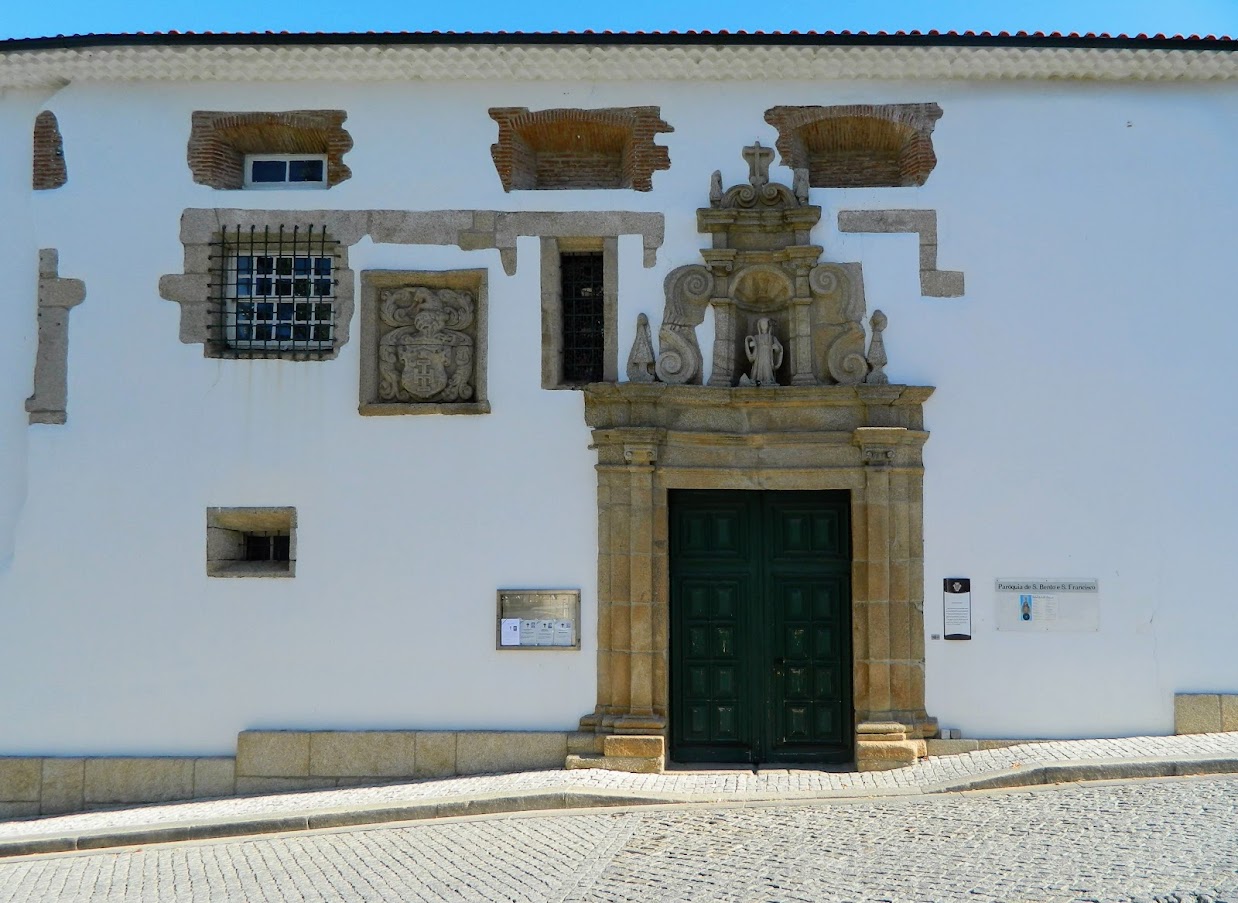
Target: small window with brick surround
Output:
{"points": [[275, 292], [251, 542], [267, 171], [222, 143]]}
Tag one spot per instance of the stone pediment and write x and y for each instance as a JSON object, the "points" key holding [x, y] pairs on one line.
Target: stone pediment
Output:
{"points": [[782, 316]]}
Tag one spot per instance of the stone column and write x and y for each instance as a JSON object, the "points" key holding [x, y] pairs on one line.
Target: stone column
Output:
{"points": [[640, 457], [801, 343], [723, 373], [889, 609], [626, 648]]}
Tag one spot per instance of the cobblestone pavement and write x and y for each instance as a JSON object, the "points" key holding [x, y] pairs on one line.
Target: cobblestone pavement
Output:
{"points": [[1166, 840], [766, 784]]}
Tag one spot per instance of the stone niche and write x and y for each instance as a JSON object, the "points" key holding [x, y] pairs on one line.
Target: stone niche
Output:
{"points": [[423, 342], [792, 404]]}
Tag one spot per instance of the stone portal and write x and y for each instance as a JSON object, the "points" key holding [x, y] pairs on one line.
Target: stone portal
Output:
{"points": [[828, 420]]}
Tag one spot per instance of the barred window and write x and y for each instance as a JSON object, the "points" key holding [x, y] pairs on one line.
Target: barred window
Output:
{"points": [[584, 329], [276, 291]]}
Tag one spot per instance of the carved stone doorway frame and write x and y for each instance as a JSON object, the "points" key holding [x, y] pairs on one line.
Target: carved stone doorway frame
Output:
{"points": [[652, 438]]}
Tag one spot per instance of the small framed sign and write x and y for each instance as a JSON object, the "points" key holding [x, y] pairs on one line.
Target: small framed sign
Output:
{"points": [[956, 608], [538, 619]]}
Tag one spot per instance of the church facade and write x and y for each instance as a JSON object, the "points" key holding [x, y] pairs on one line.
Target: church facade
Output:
{"points": [[391, 406]]}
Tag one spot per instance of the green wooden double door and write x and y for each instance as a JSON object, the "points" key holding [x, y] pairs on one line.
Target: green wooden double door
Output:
{"points": [[760, 626]]}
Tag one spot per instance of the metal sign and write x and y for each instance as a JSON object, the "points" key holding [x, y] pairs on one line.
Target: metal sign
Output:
{"points": [[538, 619], [956, 608]]}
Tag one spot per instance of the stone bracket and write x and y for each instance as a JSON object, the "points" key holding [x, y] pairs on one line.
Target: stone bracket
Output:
{"points": [[51, 367], [934, 283]]}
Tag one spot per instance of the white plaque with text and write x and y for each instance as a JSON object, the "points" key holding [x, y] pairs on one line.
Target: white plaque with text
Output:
{"points": [[956, 608], [1047, 605]]}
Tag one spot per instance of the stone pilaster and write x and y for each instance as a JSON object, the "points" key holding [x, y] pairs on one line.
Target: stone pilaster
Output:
{"points": [[57, 297]]}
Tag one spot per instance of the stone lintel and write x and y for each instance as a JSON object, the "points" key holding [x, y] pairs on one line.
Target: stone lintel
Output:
{"points": [[746, 411]]}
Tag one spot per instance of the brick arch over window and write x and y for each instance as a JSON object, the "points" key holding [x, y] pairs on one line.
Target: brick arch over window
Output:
{"points": [[548, 149], [49, 165], [219, 141], [859, 145]]}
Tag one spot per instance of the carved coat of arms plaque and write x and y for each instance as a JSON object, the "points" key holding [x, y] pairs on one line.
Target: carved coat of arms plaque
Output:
{"points": [[427, 356]]}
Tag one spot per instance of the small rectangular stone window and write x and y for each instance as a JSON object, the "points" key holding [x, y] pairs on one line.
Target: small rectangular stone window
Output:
{"points": [[276, 292], [264, 171], [579, 311], [251, 542]]}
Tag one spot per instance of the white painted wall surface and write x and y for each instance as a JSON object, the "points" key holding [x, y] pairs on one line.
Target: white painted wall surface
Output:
{"points": [[1082, 426]]}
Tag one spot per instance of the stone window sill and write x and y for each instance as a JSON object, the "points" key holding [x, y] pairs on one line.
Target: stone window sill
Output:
{"points": [[379, 409]]}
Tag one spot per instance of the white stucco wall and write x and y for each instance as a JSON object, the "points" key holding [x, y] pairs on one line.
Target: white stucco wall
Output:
{"points": [[1081, 427]]}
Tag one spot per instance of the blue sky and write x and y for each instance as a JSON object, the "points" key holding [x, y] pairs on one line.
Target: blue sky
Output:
{"points": [[24, 18]]}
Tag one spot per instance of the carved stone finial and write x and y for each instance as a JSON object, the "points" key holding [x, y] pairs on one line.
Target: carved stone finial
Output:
{"points": [[715, 189], [877, 351], [764, 351], [641, 359], [759, 159], [799, 186]]}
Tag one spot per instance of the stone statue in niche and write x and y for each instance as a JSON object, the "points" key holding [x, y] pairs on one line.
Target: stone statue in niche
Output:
{"points": [[764, 352], [763, 265], [428, 356]]}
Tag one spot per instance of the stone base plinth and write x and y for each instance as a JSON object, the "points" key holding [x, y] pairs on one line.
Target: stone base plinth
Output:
{"points": [[636, 753], [883, 745]]}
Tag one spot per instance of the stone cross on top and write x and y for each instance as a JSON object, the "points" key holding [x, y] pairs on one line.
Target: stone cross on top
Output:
{"points": [[759, 159]]}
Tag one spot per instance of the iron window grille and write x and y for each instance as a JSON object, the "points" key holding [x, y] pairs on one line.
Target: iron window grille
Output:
{"points": [[267, 546], [584, 327], [276, 292]]}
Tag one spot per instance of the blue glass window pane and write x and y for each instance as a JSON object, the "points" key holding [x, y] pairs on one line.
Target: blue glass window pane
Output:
{"points": [[283, 311], [266, 311], [244, 311], [262, 286], [244, 264], [301, 332], [268, 171], [300, 265], [243, 287], [305, 171], [265, 265], [283, 331], [245, 333], [322, 266]]}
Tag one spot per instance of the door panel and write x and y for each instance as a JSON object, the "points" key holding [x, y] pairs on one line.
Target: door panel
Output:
{"points": [[760, 626]]}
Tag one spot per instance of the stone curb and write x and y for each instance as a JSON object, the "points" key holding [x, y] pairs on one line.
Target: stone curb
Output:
{"points": [[1031, 775]]}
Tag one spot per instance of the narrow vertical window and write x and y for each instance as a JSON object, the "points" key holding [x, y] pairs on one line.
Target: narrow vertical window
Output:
{"points": [[584, 326]]}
